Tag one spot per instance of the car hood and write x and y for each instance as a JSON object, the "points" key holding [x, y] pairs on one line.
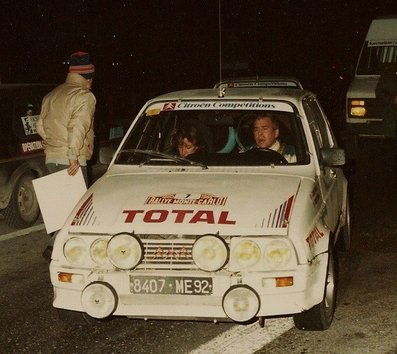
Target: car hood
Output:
{"points": [[188, 203]]}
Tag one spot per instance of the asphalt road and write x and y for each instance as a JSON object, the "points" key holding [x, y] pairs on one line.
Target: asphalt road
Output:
{"points": [[365, 319]]}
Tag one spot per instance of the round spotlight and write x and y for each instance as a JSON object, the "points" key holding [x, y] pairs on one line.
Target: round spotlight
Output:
{"points": [[277, 254], [99, 300], [75, 251], [98, 252], [125, 251], [246, 253], [241, 303], [210, 253]]}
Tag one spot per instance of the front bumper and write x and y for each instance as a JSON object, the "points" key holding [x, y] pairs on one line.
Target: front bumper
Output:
{"points": [[366, 128], [306, 291]]}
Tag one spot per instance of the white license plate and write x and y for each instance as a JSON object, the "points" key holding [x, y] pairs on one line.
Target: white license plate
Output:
{"points": [[170, 285]]}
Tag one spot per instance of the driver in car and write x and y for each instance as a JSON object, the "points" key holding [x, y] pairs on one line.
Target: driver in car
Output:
{"points": [[266, 132]]}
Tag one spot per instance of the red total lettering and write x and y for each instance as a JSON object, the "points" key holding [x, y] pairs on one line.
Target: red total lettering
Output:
{"points": [[223, 219], [203, 216], [180, 215], [131, 215], [151, 217], [159, 216]]}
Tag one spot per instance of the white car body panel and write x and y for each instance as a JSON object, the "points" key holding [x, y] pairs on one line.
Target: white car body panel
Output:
{"points": [[166, 207]]}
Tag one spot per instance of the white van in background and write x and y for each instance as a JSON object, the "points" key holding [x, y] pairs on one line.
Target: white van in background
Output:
{"points": [[379, 49]]}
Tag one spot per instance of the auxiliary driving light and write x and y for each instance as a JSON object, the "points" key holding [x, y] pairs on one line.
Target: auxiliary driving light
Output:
{"points": [[99, 300], [125, 251], [241, 303], [210, 253], [246, 253], [75, 251], [98, 252], [277, 254]]}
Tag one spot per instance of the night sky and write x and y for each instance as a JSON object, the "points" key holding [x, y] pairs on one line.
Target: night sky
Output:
{"points": [[148, 47]]}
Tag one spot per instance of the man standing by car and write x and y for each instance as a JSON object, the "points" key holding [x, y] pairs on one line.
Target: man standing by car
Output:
{"points": [[67, 118]]}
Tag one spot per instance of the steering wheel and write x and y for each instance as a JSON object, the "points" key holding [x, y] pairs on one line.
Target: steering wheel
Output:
{"points": [[243, 132], [274, 156]]}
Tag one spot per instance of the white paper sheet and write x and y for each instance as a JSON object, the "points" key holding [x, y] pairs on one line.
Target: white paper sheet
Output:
{"points": [[57, 194]]}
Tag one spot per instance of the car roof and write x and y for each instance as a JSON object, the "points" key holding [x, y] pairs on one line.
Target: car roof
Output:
{"points": [[261, 81], [256, 93]]}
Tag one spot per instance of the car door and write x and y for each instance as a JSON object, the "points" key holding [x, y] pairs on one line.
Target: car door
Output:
{"points": [[327, 176]]}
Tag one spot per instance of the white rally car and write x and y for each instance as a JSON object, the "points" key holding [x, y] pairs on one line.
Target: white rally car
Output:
{"points": [[229, 233]]}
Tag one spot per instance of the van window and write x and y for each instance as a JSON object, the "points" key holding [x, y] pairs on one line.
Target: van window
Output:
{"points": [[373, 58]]}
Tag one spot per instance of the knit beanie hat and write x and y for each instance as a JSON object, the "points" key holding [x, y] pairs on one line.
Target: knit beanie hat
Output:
{"points": [[80, 63]]}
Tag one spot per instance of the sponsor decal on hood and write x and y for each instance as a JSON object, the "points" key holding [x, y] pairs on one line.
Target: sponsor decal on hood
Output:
{"points": [[173, 204], [190, 199]]}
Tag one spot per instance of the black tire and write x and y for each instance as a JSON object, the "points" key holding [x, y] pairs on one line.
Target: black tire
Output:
{"points": [[23, 209], [320, 317]]}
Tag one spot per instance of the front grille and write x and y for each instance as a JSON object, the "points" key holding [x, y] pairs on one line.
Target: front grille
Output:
{"points": [[168, 254]]}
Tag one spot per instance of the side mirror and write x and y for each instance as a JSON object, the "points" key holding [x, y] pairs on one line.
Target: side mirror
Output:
{"points": [[107, 150], [333, 157]]}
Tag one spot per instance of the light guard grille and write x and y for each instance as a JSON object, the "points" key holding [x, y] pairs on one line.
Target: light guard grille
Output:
{"points": [[168, 254]]}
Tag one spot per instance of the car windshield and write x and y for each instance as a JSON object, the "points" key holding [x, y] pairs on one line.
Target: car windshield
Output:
{"points": [[171, 133]]}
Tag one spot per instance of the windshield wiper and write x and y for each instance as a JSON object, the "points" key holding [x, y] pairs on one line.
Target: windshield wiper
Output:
{"points": [[164, 156]]}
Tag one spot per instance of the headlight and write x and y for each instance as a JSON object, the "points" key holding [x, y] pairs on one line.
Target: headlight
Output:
{"points": [[277, 254], [98, 252], [241, 303], [358, 111], [75, 251], [247, 253], [125, 251], [357, 108], [210, 253]]}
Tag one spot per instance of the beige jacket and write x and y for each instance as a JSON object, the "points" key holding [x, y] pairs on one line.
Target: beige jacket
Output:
{"points": [[66, 121]]}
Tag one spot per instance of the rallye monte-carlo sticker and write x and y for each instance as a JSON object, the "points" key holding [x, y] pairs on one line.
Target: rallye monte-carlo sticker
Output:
{"points": [[190, 199]]}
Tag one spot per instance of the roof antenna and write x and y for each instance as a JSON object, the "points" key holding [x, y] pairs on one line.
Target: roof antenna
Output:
{"points": [[221, 92]]}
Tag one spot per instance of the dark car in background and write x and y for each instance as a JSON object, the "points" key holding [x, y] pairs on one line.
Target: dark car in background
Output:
{"points": [[21, 152]]}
